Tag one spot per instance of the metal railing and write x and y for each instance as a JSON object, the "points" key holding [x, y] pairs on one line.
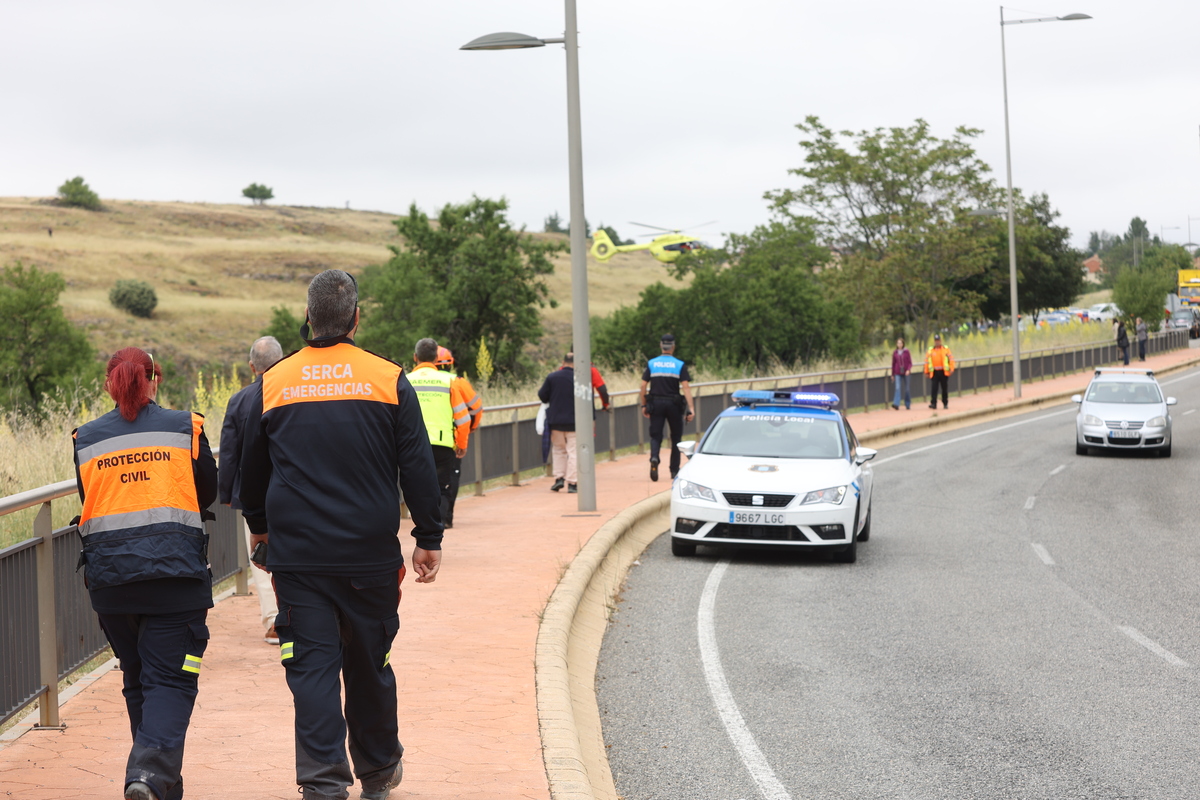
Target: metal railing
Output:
{"points": [[48, 630]]}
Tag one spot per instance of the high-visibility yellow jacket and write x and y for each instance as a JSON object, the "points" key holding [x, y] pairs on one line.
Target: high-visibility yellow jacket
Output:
{"points": [[939, 358], [443, 406]]}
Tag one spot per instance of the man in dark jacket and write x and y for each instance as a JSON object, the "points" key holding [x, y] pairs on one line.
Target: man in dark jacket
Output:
{"points": [[559, 391], [334, 434], [263, 355]]}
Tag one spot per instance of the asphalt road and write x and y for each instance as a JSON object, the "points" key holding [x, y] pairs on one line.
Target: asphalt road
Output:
{"points": [[1023, 623]]}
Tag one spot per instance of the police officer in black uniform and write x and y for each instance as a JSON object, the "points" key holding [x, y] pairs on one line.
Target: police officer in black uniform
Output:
{"points": [[665, 375], [145, 476]]}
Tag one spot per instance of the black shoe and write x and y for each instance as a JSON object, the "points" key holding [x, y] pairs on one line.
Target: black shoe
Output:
{"points": [[896, 406], [946, 407], [674, 473], [381, 792], [934, 406], [654, 469], [572, 489], [558, 484], [139, 791]]}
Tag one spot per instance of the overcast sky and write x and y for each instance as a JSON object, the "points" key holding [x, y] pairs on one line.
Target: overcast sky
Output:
{"points": [[688, 107]]}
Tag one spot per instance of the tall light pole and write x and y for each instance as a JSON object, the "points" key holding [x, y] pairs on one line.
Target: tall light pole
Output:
{"points": [[1012, 224], [580, 325], [1162, 228]]}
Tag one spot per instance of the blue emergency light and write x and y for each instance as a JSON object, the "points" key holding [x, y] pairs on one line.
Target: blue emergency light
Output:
{"points": [[768, 397]]}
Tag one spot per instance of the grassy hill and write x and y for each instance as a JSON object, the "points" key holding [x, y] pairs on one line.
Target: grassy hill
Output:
{"points": [[219, 269]]}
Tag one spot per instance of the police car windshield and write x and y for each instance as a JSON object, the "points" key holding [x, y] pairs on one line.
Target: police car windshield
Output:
{"points": [[767, 434], [1126, 393]]}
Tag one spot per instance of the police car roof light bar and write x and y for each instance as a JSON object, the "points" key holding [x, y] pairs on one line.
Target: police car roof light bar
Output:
{"points": [[753, 397], [1126, 370]]}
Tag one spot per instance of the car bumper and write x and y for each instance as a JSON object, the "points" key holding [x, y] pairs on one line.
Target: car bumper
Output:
{"points": [[818, 525], [1101, 436]]}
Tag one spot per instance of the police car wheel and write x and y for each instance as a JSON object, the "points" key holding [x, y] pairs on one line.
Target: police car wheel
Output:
{"points": [[681, 548], [848, 554], [866, 531]]}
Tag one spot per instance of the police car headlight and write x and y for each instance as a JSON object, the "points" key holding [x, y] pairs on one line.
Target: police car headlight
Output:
{"points": [[1088, 419], [694, 491], [832, 495], [1157, 422]]}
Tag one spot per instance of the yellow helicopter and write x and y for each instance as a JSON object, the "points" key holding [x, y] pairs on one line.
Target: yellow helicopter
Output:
{"points": [[666, 246]]}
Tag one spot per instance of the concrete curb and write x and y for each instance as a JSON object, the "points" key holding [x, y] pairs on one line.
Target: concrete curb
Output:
{"points": [[568, 649]]}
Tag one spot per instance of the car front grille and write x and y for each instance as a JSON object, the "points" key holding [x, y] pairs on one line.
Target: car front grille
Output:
{"points": [[775, 533], [768, 500], [1118, 425]]}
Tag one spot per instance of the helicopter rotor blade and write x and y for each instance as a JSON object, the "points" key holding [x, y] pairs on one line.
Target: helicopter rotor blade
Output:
{"points": [[654, 227], [701, 225]]}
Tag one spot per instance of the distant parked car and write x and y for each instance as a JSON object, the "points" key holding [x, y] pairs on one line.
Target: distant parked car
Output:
{"points": [[1103, 312], [1056, 318]]}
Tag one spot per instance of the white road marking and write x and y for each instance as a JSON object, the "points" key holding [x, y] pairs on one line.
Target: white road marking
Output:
{"points": [[731, 717], [1058, 469], [1029, 503], [1189, 411], [1152, 646], [1042, 553]]}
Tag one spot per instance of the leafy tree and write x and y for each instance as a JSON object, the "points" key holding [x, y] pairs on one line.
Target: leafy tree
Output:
{"points": [[752, 304], [77, 193], [554, 224], [258, 193], [285, 327], [1100, 242], [135, 297], [1143, 292], [40, 350], [892, 202], [467, 278]]}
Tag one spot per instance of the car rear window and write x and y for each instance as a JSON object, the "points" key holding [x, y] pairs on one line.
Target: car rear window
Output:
{"points": [[768, 435], [1127, 393]]}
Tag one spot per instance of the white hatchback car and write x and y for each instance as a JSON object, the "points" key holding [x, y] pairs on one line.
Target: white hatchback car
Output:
{"points": [[777, 470], [1123, 409]]}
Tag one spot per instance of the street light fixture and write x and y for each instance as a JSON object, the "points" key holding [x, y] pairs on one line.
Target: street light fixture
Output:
{"points": [[1161, 228], [580, 327], [1012, 226]]}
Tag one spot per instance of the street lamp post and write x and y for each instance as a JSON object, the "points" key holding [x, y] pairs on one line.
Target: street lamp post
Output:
{"points": [[1162, 228], [580, 325], [1012, 225]]}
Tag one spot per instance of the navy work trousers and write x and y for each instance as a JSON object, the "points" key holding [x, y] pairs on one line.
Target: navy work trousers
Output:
{"points": [[160, 658], [669, 410], [333, 626]]}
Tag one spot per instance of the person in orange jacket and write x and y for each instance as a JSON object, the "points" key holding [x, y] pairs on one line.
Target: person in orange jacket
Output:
{"points": [[447, 420], [939, 366], [445, 363]]}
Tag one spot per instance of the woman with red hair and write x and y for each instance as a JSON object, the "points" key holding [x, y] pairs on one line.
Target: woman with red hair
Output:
{"points": [[146, 476]]}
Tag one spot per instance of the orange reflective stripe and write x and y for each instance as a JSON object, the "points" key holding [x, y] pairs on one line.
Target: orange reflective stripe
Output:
{"points": [[340, 372]]}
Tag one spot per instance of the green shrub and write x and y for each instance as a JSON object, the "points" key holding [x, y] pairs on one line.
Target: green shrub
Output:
{"points": [[77, 193], [136, 297]]}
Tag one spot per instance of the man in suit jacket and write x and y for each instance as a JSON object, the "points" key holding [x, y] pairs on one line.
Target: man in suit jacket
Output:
{"points": [[263, 355]]}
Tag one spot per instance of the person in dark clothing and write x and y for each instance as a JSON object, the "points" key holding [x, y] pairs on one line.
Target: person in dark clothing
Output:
{"points": [[559, 391], [146, 475], [263, 354], [334, 435], [1123, 342], [665, 376]]}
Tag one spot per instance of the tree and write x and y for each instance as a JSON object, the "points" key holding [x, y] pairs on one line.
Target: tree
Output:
{"points": [[893, 203], [470, 277], [554, 224], [285, 327], [136, 297], [77, 193], [40, 350], [1143, 292], [755, 303], [258, 193]]}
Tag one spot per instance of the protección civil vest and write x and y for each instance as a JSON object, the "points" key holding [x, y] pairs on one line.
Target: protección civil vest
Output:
{"points": [[433, 391]]}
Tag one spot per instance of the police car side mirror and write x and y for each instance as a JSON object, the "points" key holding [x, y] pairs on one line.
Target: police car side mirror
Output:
{"points": [[1171, 401], [687, 448], [1076, 398], [865, 454]]}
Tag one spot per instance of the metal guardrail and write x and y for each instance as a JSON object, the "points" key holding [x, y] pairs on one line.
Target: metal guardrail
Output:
{"points": [[47, 627]]}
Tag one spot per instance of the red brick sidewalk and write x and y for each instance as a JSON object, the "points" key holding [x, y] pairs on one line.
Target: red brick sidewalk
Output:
{"points": [[464, 658]]}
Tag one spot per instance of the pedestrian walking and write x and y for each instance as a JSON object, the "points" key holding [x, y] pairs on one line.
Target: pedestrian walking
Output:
{"points": [[901, 370], [474, 403], [558, 389], [334, 435], [146, 475], [1143, 335], [444, 408], [939, 366], [665, 376], [263, 355], [1123, 342]]}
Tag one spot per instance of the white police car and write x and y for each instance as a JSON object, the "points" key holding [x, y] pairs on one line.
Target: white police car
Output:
{"points": [[778, 470]]}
